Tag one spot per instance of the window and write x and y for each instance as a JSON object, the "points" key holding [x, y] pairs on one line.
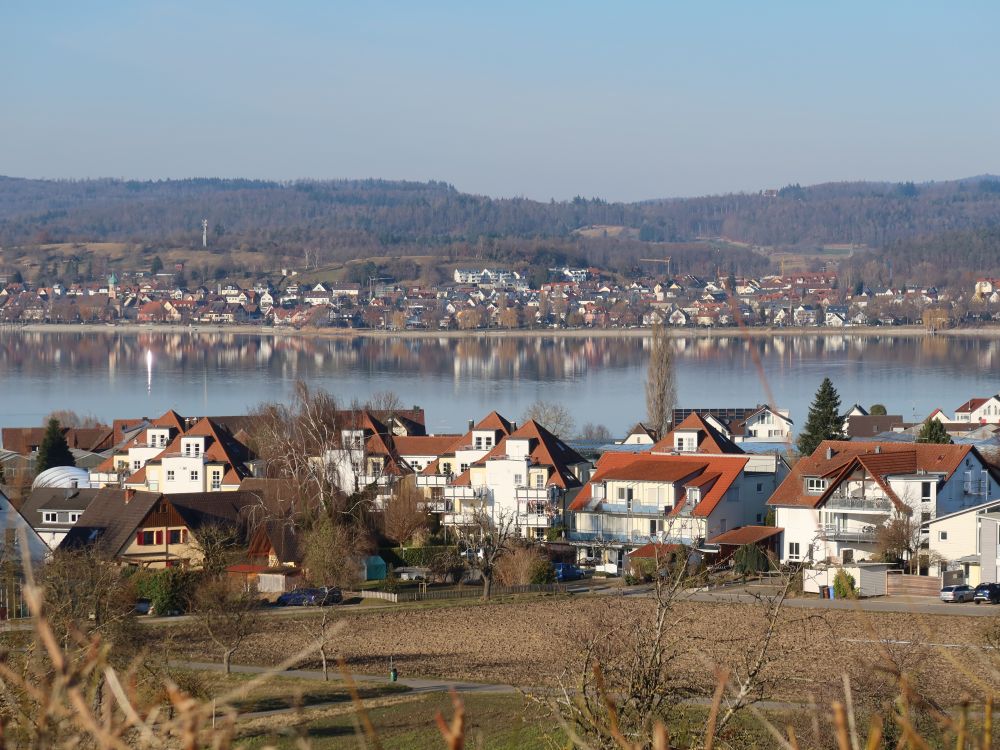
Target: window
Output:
{"points": [[925, 492], [793, 551], [136, 465], [925, 516], [479, 443], [760, 486], [760, 518], [942, 536], [518, 480], [621, 493], [539, 480], [148, 538], [722, 524], [177, 536], [74, 517], [187, 449], [216, 479], [170, 475], [463, 468], [197, 449], [815, 485], [489, 442], [49, 517], [194, 475]]}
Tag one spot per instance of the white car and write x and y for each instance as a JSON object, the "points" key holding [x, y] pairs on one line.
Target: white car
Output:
{"points": [[961, 593]]}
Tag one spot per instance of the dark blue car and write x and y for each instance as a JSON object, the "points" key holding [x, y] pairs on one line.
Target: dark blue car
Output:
{"points": [[305, 597], [567, 572]]}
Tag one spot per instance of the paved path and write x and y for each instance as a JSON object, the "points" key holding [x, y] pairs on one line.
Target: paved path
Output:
{"points": [[416, 685]]}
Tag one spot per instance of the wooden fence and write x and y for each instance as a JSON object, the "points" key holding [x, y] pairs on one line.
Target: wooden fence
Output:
{"points": [[464, 592]]}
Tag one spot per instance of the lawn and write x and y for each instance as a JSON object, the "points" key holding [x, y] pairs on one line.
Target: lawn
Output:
{"points": [[407, 721]]}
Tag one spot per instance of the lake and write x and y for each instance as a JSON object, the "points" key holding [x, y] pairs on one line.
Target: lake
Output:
{"points": [[114, 374]]}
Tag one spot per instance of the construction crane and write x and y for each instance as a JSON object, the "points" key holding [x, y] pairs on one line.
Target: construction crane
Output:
{"points": [[658, 260]]}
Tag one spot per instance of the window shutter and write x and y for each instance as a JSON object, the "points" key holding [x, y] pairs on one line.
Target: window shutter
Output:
{"points": [[184, 535], [138, 538], [159, 537]]}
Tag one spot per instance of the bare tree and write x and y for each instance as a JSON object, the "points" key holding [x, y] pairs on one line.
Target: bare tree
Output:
{"points": [[486, 540], [899, 538], [554, 417], [595, 432], [297, 444], [228, 616], [385, 401], [332, 552], [404, 514], [218, 546], [661, 387], [69, 418]]}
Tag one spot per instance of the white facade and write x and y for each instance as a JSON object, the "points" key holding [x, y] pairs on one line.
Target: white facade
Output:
{"points": [[767, 426], [846, 526]]}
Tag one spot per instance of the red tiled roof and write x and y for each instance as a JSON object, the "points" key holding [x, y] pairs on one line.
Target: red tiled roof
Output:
{"points": [[746, 535], [546, 450], [424, 445], [713, 474], [878, 459], [971, 405], [710, 439]]}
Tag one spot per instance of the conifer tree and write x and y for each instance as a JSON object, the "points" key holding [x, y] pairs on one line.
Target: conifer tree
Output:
{"points": [[933, 432], [824, 422], [53, 450]]}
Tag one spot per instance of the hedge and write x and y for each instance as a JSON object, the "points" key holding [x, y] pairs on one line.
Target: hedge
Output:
{"points": [[412, 557]]}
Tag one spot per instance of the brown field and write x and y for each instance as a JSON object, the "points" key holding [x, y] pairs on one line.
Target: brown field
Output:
{"points": [[530, 642]]}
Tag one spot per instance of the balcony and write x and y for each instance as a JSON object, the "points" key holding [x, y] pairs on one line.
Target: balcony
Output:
{"points": [[839, 501], [535, 520], [466, 493], [858, 533], [532, 494], [432, 480]]}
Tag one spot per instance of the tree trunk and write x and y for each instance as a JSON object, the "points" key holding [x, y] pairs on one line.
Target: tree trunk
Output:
{"points": [[227, 656], [487, 585], [326, 671]]}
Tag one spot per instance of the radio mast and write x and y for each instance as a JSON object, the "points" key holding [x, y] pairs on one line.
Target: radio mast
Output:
{"points": [[204, 232]]}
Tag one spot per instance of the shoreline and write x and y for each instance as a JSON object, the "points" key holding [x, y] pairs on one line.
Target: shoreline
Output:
{"points": [[133, 329]]}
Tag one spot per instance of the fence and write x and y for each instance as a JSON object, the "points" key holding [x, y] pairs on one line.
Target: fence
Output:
{"points": [[12, 605], [464, 592]]}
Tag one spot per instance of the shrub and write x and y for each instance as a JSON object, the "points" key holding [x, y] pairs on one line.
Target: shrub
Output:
{"points": [[843, 585], [413, 557], [554, 533], [522, 566], [168, 590], [750, 559]]}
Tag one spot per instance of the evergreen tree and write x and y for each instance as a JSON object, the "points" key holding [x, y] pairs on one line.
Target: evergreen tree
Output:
{"points": [[156, 266], [53, 451], [933, 432], [824, 422]]}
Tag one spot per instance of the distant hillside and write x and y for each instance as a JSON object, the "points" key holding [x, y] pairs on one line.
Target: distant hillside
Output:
{"points": [[336, 221], [874, 214]]}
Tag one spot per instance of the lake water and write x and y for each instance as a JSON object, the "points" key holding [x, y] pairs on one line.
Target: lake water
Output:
{"points": [[601, 379]]}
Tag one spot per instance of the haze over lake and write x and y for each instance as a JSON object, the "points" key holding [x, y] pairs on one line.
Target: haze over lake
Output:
{"points": [[601, 378]]}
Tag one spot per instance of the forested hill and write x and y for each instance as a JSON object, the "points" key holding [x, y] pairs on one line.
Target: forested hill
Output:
{"points": [[387, 213]]}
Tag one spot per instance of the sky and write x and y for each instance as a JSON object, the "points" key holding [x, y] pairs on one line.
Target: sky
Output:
{"points": [[621, 100]]}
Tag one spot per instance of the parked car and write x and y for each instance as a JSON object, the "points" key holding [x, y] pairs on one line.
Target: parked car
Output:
{"points": [[567, 572], [310, 597], [961, 593], [987, 592]]}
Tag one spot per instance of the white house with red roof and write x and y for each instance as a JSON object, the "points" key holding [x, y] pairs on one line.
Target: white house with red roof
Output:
{"points": [[529, 476], [636, 499], [204, 458], [132, 455], [979, 411], [834, 502]]}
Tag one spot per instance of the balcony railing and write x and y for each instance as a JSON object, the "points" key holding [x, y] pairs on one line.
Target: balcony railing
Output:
{"points": [[538, 520], [839, 501], [432, 480], [465, 493], [850, 533], [532, 494]]}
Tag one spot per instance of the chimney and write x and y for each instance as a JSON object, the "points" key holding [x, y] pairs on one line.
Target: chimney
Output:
{"points": [[472, 423], [129, 494], [829, 453], [878, 448]]}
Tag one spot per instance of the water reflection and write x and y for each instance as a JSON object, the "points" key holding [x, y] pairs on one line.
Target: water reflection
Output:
{"points": [[458, 378]]}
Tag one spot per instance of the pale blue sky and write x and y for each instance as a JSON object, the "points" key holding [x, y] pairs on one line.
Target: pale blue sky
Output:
{"points": [[542, 99]]}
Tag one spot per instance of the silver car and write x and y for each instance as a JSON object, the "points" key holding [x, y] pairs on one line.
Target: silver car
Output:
{"points": [[961, 593]]}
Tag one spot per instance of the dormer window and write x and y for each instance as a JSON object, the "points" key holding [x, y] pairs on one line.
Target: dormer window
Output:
{"points": [[815, 485]]}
